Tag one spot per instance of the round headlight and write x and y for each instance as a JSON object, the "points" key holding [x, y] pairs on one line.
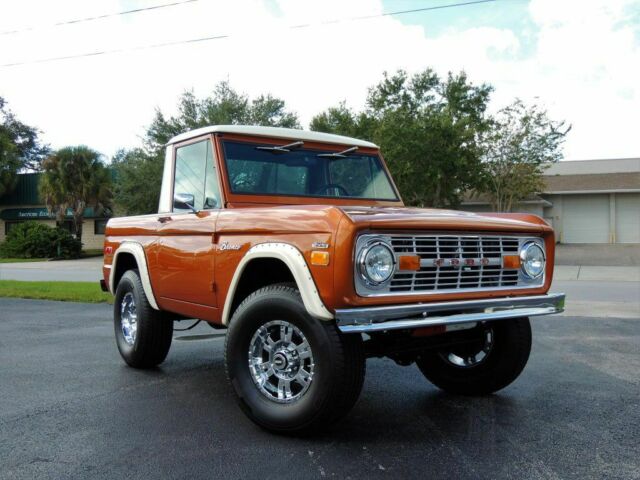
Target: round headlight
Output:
{"points": [[377, 263], [532, 259]]}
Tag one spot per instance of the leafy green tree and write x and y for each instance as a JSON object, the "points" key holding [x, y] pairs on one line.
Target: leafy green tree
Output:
{"points": [[75, 178], [521, 144], [428, 129], [139, 171], [138, 178], [342, 120], [225, 107], [20, 148]]}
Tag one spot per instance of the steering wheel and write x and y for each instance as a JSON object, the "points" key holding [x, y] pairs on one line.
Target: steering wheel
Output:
{"points": [[242, 184], [333, 185]]}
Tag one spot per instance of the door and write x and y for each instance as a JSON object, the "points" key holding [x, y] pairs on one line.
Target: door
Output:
{"points": [[186, 256], [585, 219], [627, 217]]}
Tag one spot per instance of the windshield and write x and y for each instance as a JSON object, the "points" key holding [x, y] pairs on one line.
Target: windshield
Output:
{"points": [[255, 169]]}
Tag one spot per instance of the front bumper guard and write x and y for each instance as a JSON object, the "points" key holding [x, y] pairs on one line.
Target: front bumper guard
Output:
{"points": [[396, 317]]}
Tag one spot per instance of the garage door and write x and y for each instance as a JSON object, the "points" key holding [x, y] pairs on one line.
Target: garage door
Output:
{"points": [[628, 218], [585, 219]]}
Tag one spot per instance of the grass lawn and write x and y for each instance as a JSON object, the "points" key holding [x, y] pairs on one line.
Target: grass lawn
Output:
{"points": [[22, 260], [65, 291]]}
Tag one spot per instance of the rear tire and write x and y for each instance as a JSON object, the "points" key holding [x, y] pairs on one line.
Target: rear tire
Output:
{"points": [[290, 371], [143, 334], [486, 368]]}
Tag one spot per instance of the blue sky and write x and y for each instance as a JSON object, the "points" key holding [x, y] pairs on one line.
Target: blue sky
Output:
{"points": [[501, 14], [510, 14]]}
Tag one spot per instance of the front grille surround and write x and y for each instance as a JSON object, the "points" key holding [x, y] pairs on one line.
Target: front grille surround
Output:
{"points": [[479, 257]]}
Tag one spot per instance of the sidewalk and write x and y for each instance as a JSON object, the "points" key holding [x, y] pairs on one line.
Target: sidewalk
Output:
{"points": [[591, 274], [599, 291], [83, 270]]}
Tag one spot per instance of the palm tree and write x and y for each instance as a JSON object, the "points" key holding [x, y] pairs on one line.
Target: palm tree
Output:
{"points": [[75, 178]]}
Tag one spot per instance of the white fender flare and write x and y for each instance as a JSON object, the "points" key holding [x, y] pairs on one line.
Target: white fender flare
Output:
{"points": [[293, 259], [137, 251]]}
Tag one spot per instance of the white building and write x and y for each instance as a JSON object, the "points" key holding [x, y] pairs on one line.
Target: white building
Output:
{"points": [[588, 201]]}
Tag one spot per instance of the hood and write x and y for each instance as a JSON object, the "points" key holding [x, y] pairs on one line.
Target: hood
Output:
{"points": [[402, 218]]}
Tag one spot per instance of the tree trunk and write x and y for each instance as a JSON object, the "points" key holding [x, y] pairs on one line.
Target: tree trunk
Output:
{"points": [[437, 202], [77, 226]]}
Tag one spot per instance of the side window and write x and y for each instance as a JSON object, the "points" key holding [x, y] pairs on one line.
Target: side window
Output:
{"points": [[99, 227], [67, 225], [211, 186], [196, 177], [8, 226]]}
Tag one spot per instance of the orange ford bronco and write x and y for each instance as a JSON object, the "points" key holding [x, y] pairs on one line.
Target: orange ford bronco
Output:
{"points": [[298, 243]]}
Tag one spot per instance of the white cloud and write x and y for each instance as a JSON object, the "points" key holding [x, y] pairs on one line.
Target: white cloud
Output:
{"points": [[584, 66], [587, 68]]}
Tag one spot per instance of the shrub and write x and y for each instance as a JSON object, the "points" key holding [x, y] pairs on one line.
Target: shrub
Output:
{"points": [[36, 240]]}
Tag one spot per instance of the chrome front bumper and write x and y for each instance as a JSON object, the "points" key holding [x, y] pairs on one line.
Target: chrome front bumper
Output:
{"points": [[395, 317]]}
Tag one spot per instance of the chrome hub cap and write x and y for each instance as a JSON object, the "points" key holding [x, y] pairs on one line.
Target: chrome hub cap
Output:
{"points": [[128, 318], [280, 361], [472, 357]]}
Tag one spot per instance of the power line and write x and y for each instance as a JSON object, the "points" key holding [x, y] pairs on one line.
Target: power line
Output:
{"points": [[222, 36], [399, 12], [100, 17]]}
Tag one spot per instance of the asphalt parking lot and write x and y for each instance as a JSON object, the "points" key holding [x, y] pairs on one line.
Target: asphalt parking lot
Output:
{"points": [[71, 409]]}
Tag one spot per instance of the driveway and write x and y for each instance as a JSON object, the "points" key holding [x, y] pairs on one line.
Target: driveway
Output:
{"points": [[72, 409]]}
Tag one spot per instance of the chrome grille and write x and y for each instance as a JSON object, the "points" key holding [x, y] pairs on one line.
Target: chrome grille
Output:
{"points": [[478, 258]]}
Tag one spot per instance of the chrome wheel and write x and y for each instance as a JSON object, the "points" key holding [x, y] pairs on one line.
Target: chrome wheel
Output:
{"points": [[128, 318], [281, 361], [471, 357]]}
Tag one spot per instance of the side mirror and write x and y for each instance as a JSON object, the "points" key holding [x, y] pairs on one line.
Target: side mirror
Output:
{"points": [[210, 202], [184, 201]]}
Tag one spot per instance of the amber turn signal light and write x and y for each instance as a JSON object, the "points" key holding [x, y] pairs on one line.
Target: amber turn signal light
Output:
{"points": [[409, 262], [319, 258], [511, 262]]}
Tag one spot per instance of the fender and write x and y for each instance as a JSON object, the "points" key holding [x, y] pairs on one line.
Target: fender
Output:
{"points": [[293, 259], [137, 251]]}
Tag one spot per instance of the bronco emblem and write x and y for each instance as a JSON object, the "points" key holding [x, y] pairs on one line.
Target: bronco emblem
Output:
{"points": [[230, 246]]}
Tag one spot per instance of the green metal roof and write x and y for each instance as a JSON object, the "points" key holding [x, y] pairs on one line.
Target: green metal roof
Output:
{"points": [[25, 193]]}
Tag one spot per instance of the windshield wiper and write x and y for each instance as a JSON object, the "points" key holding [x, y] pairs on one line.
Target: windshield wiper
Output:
{"points": [[281, 148], [341, 154]]}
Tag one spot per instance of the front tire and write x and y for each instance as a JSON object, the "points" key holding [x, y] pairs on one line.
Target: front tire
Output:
{"points": [[290, 371], [143, 334], [489, 365]]}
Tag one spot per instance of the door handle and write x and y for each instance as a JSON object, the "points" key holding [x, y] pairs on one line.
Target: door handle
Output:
{"points": [[164, 219]]}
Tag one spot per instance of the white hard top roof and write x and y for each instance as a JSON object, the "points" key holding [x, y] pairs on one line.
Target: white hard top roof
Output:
{"points": [[276, 132]]}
